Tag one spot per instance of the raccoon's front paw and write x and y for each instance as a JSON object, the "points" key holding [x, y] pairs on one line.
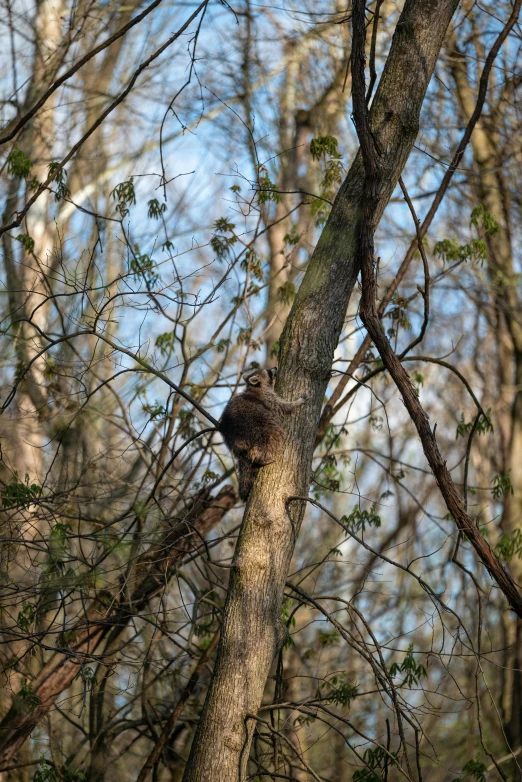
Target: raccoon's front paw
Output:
{"points": [[264, 460], [260, 457], [303, 400]]}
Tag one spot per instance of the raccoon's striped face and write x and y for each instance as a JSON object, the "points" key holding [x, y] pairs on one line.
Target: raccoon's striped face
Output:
{"points": [[261, 377]]}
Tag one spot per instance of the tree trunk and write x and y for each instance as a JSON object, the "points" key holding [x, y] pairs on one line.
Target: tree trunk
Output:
{"points": [[252, 631]]}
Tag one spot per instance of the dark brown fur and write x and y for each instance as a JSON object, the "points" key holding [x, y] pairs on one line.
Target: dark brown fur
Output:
{"points": [[252, 426]]}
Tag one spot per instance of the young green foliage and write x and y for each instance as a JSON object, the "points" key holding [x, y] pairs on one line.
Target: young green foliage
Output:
{"points": [[220, 243], [358, 519], [267, 190], [125, 196], [142, 265], [165, 343], [59, 174], [473, 769], [450, 251], [337, 689], [481, 218], [376, 761], [29, 699], [508, 547], [501, 485], [325, 149], [18, 164], [484, 425], [27, 242], [412, 672], [155, 209], [20, 494], [48, 773], [26, 616]]}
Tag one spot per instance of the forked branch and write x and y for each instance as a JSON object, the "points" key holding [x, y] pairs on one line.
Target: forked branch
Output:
{"points": [[369, 314]]}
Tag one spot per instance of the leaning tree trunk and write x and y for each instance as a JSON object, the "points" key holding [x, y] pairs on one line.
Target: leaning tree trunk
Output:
{"points": [[252, 631]]}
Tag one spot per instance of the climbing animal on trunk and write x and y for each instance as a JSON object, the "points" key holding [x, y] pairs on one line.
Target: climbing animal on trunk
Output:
{"points": [[252, 425]]}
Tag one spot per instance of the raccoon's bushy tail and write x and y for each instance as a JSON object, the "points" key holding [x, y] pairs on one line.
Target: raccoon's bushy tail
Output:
{"points": [[246, 475]]}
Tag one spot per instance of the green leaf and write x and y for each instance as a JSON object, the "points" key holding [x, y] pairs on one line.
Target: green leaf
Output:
{"points": [[142, 265], [45, 772], [26, 616], [358, 519], [244, 336], [222, 244], [18, 164], [224, 225], [507, 547], [18, 493], [324, 146], [26, 241], [484, 425], [376, 760], [156, 209], [286, 292], [413, 672], [48, 773], [501, 485], [155, 410], [450, 250], [267, 190], [222, 345], [125, 195], [252, 264], [473, 769], [59, 175], [292, 237], [165, 343], [29, 699], [339, 690], [328, 477], [486, 220]]}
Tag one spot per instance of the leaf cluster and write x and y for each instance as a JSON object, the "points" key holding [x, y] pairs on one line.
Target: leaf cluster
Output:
{"points": [[376, 761], [125, 196], [412, 671], [19, 494], [360, 518]]}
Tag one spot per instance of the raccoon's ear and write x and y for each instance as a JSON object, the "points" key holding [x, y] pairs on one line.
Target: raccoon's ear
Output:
{"points": [[253, 381], [272, 373]]}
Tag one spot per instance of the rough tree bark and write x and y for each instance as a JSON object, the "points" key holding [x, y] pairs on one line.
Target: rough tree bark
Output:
{"points": [[252, 632]]}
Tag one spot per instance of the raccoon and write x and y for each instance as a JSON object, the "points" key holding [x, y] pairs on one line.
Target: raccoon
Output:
{"points": [[252, 425]]}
